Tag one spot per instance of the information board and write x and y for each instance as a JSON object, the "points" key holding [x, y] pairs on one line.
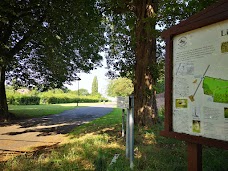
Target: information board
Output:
{"points": [[200, 82]]}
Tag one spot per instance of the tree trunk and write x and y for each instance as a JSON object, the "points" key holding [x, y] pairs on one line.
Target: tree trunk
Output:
{"points": [[146, 112], [4, 114]]}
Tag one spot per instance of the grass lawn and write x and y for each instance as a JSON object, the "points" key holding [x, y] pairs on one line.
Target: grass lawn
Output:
{"points": [[32, 111], [93, 145]]}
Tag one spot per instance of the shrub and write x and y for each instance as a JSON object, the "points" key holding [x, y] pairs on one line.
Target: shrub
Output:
{"points": [[23, 100], [68, 98], [49, 97]]}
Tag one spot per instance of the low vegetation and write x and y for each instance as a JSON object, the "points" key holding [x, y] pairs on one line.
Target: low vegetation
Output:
{"points": [[93, 145], [55, 96]]}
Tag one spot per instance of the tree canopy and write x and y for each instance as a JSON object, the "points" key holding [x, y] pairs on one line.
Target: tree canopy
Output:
{"points": [[120, 25], [133, 30], [46, 43], [49, 42], [82, 92], [120, 87]]}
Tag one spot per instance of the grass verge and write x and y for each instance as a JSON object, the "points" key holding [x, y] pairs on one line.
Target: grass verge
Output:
{"points": [[93, 145], [33, 111]]}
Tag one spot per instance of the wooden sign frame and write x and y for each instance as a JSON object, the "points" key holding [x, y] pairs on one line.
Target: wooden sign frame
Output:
{"points": [[211, 15]]}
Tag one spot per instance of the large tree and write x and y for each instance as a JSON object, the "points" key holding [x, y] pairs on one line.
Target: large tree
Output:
{"points": [[133, 51], [47, 42]]}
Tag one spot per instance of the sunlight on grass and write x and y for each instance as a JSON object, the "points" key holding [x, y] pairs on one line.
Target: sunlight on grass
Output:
{"points": [[31, 111]]}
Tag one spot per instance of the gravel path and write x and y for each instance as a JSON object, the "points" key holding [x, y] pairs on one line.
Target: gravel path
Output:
{"points": [[28, 135]]}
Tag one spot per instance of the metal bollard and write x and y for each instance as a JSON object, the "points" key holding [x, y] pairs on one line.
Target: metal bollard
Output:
{"points": [[131, 131], [123, 118]]}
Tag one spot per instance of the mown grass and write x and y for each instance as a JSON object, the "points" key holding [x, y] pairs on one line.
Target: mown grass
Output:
{"points": [[33, 111], [93, 145]]}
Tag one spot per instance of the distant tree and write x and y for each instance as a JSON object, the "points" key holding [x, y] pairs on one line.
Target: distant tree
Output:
{"points": [[95, 86], [82, 92], [56, 91], [120, 87]]}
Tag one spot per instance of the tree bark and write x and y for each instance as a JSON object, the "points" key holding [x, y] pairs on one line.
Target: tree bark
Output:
{"points": [[4, 114], [146, 112]]}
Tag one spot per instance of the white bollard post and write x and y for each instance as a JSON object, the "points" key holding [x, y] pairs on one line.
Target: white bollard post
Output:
{"points": [[127, 134], [123, 118], [131, 131]]}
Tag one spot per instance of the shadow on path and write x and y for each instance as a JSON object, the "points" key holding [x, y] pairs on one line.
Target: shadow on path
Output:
{"points": [[18, 136]]}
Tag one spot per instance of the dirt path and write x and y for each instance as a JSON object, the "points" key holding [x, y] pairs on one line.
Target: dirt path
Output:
{"points": [[25, 136]]}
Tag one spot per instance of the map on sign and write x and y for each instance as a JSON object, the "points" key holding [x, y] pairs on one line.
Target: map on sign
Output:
{"points": [[217, 88], [200, 82]]}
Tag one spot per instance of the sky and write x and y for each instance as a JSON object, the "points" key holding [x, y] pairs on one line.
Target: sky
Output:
{"points": [[87, 79]]}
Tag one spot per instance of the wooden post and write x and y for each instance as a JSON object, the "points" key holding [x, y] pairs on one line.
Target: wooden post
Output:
{"points": [[194, 156]]}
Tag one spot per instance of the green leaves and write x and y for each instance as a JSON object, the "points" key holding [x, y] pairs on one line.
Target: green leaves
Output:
{"points": [[120, 87], [95, 86], [50, 41]]}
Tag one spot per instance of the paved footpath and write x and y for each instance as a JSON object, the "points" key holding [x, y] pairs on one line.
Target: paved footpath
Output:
{"points": [[23, 136]]}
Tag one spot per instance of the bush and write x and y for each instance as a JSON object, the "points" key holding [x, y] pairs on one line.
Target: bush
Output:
{"points": [[49, 97], [23, 100], [160, 86], [29, 100], [68, 98]]}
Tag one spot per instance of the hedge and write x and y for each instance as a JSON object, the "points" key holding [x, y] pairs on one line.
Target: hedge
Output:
{"points": [[17, 99], [70, 99], [23, 100]]}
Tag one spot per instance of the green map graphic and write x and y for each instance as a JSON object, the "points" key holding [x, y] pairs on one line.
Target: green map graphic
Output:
{"points": [[217, 88]]}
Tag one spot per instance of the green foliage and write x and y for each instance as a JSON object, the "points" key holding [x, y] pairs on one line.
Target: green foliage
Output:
{"points": [[120, 87], [95, 86], [101, 161], [16, 98], [120, 27], [55, 91], [45, 43], [48, 98], [23, 100], [82, 92], [160, 86], [172, 12], [53, 96], [29, 100], [54, 40], [66, 99]]}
